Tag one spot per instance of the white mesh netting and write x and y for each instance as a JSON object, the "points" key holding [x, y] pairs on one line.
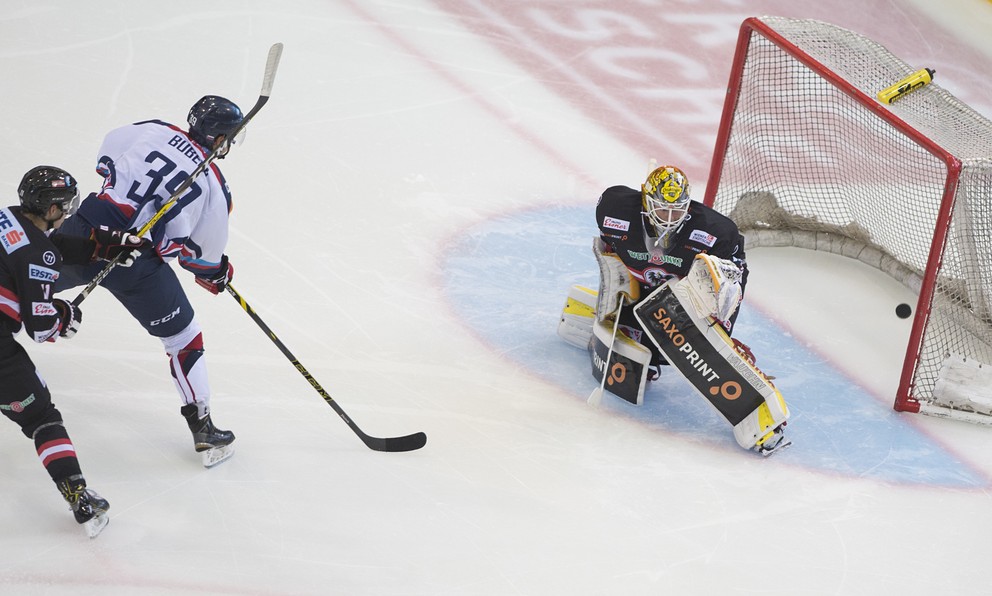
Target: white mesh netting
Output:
{"points": [[811, 162]]}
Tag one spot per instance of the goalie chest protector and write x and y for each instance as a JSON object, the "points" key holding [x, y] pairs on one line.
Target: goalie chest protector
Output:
{"points": [[725, 381]]}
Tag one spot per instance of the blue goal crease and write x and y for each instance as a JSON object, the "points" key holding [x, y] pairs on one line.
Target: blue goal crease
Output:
{"points": [[531, 258]]}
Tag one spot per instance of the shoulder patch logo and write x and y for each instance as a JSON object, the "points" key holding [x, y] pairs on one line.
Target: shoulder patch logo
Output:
{"points": [[613, 223], [703, 237], [12, 235]]}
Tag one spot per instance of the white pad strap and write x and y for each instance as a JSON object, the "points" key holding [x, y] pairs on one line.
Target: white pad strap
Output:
{"points": [[615, 282], [714, 287]]}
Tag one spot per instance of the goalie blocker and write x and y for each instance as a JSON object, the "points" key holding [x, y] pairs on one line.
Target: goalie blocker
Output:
{"points": [[704, 354]]}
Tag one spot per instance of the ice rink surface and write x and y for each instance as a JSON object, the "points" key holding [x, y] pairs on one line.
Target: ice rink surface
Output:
{"points": [[410, 210]]}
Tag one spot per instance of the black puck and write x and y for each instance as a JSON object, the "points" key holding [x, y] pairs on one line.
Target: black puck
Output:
{"points": [[903, 311]]}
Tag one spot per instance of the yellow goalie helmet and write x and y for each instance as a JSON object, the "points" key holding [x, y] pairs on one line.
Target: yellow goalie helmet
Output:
{"points": [[665, 197]]}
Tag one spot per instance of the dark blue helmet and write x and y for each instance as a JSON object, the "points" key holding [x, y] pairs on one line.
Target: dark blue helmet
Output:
{"points": [[44, 186], [211, 117]]}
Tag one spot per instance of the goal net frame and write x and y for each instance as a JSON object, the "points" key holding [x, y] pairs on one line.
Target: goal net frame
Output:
{"points": [[808, 156]]}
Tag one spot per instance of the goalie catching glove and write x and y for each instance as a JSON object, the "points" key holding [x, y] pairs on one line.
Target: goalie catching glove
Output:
{"points": [[111, 243], [714, 287]]}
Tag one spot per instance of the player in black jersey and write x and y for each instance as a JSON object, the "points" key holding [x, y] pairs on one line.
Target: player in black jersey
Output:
{"points": [[29, 266], [672, 276], [658, 231]]}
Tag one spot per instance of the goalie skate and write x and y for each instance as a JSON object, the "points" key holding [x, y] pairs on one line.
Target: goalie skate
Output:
{"points": [[772, 442]]}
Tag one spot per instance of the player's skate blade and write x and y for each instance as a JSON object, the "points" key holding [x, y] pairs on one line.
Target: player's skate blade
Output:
{"points": [[96, 524], [212, 443], [773, 444], [89, 509], [212, 457]]}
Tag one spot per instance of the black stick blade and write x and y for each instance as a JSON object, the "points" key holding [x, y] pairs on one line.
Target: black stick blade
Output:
{"points": [[396, 444]]}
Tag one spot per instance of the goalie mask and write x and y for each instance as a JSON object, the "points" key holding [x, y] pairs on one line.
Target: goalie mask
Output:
{"points": [[665, 197]]}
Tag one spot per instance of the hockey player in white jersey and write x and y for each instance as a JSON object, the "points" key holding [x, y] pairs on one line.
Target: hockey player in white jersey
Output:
{"points": [[142, 164]]}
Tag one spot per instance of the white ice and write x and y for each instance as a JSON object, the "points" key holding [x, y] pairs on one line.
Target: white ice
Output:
{"points": [[410, 210]]}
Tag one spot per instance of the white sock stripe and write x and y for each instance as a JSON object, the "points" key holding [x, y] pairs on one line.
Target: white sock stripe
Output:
{"points": [[56, 449]]}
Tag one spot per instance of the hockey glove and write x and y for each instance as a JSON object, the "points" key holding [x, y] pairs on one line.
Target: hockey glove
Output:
{"points": [[70, 317], [111, 242], [216, 283]]}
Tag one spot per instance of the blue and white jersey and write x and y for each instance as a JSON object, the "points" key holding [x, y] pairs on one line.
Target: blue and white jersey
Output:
{"points": [[142, 165]]}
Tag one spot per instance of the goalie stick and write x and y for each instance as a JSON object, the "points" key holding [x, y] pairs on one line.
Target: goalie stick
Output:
{"points": [[271, 65], [596, 397], [392, 444]]}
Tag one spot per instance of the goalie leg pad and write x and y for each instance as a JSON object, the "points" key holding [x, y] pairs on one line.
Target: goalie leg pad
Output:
{"points": [[577, 316], [761, 429], [615, 282], [627, 370], [705, 356]]}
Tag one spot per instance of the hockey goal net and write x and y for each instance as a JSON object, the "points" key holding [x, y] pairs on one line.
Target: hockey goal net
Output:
{"points": [[807, 156]]}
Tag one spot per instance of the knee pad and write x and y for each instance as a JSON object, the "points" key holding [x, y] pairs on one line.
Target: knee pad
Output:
{"points": [[184, 359], [50, 416], [190, 338]]}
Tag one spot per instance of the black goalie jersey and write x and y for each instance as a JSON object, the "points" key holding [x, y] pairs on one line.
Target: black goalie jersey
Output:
{"points": [[704, 230]]}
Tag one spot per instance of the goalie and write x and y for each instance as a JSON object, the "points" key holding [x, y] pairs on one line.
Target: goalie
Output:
{"points": [[660, 245]]}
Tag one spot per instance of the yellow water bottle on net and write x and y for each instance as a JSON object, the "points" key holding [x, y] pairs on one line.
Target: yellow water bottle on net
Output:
{"points": [[918, 79]]}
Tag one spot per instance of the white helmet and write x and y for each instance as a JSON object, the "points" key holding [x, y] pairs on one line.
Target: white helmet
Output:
{"points": [[665, 197]]}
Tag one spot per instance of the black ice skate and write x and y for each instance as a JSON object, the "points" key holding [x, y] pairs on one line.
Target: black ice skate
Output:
{"points": [[772, 442], [212, 443], [89, 508]]}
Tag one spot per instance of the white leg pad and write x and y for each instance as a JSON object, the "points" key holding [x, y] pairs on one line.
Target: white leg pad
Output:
{"points": [[577, 316], [615, 282]]}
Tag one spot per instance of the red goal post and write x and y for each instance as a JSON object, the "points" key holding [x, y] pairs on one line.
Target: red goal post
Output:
{"points": [[808, 156]]}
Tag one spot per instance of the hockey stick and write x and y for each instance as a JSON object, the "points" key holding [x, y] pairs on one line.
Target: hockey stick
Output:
{"points": [[393, 444], [271, 64], [596, 397]]}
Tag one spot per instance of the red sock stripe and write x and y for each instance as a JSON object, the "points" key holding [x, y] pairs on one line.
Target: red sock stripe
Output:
{"points": [[57, 449]]}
